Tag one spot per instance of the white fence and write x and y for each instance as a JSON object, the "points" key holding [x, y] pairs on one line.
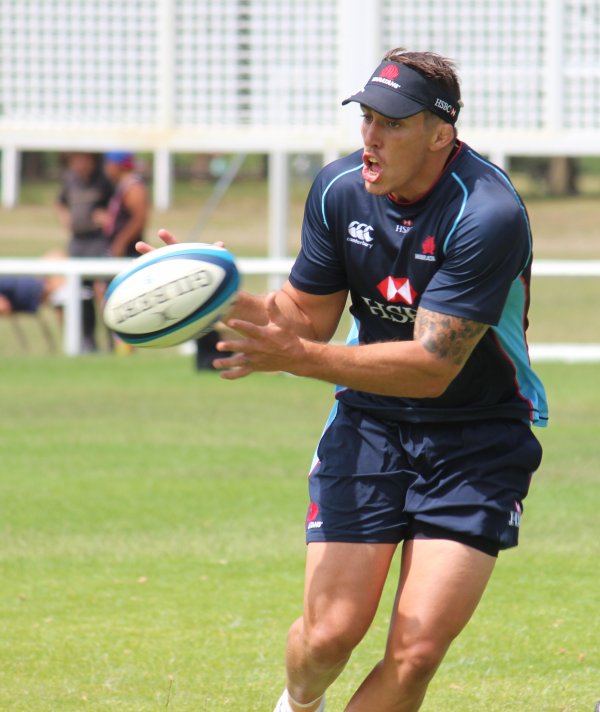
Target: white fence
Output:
{"points": [[74, 270], [267, 76]]}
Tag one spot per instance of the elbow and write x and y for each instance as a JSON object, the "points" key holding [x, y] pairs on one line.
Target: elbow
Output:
{"points": [[435, 388], [437, 382]]}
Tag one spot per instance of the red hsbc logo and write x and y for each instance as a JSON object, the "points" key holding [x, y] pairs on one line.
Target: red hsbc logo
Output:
{"points": [[397, 289]]}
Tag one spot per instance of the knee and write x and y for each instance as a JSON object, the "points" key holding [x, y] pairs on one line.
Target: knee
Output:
{"points": [[330, 645], [417, 663]]}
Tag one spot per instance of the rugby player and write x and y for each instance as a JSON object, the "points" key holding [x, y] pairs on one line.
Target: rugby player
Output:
{"points": [[429, 445]]}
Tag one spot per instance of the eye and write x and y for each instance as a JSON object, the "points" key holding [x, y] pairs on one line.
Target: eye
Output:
{"points": [[393, 124]]}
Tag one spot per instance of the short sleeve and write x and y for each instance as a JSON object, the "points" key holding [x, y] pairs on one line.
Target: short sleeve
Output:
{"points": [[488, 250], [319, 267]]}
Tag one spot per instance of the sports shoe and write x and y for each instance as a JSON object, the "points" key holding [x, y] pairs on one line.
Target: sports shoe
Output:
{"points": [[284, 706]]}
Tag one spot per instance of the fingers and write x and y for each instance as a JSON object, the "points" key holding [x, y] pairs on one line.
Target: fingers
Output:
{"points": [[143, 247], [236, 360], [233, 367], [246, 328], [167, 237]]}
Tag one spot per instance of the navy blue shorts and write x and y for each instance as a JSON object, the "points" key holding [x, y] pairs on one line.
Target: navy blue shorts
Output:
{"points": [[377, 481]]}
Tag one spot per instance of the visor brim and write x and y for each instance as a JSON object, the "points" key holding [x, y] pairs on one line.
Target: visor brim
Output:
{"points": [[386, 102]]}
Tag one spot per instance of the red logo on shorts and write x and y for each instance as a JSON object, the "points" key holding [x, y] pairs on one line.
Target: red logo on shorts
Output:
{"points": [[313, 512]]}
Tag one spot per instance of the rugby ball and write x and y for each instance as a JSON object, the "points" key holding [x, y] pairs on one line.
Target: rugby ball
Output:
{"points": [[172, 294]]}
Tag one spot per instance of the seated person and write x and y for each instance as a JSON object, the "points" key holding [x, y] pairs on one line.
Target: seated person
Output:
{"points": [[21, 294], [26, 294]]}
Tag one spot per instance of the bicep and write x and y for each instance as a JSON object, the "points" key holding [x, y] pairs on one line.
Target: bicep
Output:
{"points": [[136, 201], [317, 314], [451, 339]]}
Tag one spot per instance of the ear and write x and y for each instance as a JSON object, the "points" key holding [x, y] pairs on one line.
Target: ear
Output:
{"points": [[443, 136]]}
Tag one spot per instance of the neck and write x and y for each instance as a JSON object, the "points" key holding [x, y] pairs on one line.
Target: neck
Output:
{"points": [[429, 177]]}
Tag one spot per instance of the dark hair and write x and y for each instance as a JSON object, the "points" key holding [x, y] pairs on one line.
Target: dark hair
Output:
{"points": [[430, 65]]}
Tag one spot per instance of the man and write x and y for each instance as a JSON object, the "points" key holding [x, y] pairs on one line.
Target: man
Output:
{"points": [[21, 294], [125, 220], [85, 190], [429, 442]]}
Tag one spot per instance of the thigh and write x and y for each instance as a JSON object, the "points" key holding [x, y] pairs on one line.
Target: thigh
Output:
{"points": [[441, 583], [343, 586]]}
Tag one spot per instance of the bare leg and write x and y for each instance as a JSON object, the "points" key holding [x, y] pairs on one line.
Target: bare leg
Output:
{"points": [[441, 583], [343, 586]]}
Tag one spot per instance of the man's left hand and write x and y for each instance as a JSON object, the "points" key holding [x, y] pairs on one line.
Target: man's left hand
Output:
{"points": [[272, 347]]}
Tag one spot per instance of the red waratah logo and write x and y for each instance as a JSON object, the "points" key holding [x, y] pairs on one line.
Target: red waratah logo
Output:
{"points": [[397, 289], [390, 72], [313, 511], [428, 246]]}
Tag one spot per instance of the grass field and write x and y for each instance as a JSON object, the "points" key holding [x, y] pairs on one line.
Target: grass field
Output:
{"points": [[151, 516], [152, 545]]}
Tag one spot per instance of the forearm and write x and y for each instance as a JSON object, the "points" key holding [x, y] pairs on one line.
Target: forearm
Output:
{"points": [[422, 367], [402, 369], [64, 216]]}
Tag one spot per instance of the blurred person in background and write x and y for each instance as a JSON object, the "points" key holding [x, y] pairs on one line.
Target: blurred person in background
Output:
{"points": [[125, 218], [85, 190], [124, 221], [25, 294]]}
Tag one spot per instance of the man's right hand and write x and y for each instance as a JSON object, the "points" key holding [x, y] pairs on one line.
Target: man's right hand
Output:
{"points": [[167, 237]]}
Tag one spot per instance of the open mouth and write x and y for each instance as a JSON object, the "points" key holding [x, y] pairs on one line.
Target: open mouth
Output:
{"points": [[372, 169]]}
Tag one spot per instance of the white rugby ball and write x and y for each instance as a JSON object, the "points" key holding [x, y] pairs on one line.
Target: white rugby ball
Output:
{"points": [[172, 294]]}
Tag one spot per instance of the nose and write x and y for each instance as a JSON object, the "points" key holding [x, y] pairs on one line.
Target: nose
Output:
{"points": [[371, 134]]}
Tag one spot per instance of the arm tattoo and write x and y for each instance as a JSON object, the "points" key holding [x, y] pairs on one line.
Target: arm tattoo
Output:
{"points": [[448, 337]]}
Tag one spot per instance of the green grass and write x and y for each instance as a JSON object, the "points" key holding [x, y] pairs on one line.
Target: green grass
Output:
{"points": [[152, 550]]}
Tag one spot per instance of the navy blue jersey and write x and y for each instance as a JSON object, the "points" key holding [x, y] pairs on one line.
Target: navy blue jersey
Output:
{"points": [[463, 249]]}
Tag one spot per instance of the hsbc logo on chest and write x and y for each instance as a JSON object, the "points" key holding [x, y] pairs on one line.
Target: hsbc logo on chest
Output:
{"points": [[405, 226], [397, 289], [399, 296]]}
